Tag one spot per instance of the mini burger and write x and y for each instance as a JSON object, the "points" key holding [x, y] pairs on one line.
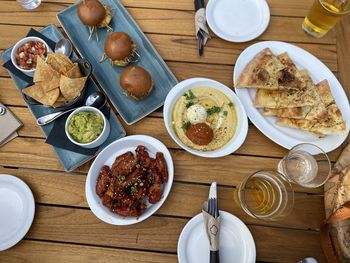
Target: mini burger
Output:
{"points": [[94, 15], [136, 82], [120, 49]]}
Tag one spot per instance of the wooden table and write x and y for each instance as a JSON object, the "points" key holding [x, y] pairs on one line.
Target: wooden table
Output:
{"points": [[65, 230]]}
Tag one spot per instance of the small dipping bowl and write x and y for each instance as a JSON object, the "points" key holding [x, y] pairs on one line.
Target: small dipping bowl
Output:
{"points": [[100, 139], [29, 72]]}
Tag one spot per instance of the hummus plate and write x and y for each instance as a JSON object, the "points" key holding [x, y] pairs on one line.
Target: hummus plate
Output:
{"points": [[204, 101]]}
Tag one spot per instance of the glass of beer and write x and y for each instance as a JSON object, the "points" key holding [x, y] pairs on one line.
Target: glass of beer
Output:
{"points": [[306, 165], [265, 195], [323, 15]]}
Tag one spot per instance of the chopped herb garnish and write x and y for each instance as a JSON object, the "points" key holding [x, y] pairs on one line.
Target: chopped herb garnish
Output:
{"points": [[225, 113], [190, 95], [214, 109], [133, 189], [230, 104], [186, 125], [121, 177], [189, 104]]}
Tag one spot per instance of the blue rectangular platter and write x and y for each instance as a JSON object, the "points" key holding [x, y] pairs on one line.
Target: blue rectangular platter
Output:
{"points": [[108, 75], [69, 160]]}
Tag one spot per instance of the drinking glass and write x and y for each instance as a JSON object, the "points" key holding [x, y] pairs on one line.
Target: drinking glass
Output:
{"points": [[323, 15], [265, 195], [306, 165], [29, 4]]}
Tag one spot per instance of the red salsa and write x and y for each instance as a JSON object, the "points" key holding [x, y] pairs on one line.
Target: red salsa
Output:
{"points": [[26, 54]]}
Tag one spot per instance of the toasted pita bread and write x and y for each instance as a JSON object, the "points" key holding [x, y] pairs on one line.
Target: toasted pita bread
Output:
{"points": [[287, 98], [318, 128], [317, 111], [266, 71]]}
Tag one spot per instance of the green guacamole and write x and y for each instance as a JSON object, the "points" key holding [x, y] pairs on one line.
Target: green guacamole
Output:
{"points": [[85, 126]]}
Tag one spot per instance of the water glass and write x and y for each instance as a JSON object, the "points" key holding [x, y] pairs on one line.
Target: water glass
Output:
{"points": [[265, 195], [29, 4], [306, 165]]}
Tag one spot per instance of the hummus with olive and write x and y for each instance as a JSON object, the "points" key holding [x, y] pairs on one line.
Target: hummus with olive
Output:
{"points": [[209, 106]]}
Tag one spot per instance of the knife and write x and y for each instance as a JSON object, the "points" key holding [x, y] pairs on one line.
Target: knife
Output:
{"points": [[202, 33], [213, 210]]}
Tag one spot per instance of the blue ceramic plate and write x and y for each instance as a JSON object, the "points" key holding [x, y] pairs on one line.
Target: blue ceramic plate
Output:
{"points": [[108, 75], [69, 160]]}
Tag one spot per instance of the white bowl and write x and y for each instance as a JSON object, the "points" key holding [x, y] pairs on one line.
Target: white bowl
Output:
{"points": [[29, 72], [242, 120], [107, 157], [100, 139]]}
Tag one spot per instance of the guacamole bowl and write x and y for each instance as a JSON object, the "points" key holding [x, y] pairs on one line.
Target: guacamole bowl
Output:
{"points": [[87, 127]]}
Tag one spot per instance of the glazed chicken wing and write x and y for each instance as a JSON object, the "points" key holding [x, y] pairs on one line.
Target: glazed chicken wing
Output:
{"points": [[103, 180], [124, 164], [161, 167]]}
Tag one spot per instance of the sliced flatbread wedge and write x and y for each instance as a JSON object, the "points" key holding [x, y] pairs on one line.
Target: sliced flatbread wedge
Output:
{"points": [[267, 71], [288, 98], [332, 123], [315, 127], [316, 112]]}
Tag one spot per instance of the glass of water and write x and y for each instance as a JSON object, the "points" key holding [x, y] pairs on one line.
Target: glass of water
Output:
{"points": [[29, 4], [306, 165]]}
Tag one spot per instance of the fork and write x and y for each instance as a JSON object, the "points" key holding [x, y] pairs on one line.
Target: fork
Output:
{"points": [[214, 212]]}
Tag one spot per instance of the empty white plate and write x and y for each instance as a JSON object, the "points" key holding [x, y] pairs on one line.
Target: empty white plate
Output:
{"points": [[17, 208], [236, 241], [238, 20]]}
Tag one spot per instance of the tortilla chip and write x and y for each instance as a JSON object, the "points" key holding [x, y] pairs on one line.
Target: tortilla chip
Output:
{"points": [[59, 62], [74, 72], [60, 101], [71, 88], [44, 72], [38, 93]]}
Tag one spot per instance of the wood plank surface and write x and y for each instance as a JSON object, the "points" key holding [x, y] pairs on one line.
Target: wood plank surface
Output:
{"points": [[34, 153], [184, 48], [64, 228], [29, 251], [173, 22], [161, 234], [185, 200], [296, 8], [254, 145]]}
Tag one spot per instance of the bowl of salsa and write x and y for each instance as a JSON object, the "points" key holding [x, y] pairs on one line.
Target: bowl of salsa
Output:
{"points": [[24, 54], [87, 127]]}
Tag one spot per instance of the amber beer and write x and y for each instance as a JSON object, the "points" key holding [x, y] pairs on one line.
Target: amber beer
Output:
{"points": [[323, 15], [265, 195]]}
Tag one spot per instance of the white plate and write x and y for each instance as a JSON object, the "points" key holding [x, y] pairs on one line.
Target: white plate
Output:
{"points": [[107, 157], [236, 241], [238, 20], [284, 136], [242, 120], [17, 208]]}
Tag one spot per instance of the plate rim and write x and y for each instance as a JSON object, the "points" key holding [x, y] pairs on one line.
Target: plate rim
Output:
{"points": [[160, 59], [197, 219], [29, 201], [259, 122], [132, 220], [231, 38]]}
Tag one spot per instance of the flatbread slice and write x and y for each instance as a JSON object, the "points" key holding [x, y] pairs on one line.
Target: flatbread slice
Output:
{"points": [[318, 128], [332, 123], [307, 112], [288, 98], [266, 71]]}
